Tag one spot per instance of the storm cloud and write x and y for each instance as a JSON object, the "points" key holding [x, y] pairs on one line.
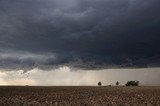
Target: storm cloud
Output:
{"points": [[88, 34]]}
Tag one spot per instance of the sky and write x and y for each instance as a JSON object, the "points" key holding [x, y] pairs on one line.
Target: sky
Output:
{"points": [[95, 39], [64, 76]]}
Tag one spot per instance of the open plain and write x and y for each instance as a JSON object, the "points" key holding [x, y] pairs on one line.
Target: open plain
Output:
{"points": [[79, 96]]}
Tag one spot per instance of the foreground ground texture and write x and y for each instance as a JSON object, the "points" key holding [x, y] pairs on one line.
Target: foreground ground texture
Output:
{"points": [[79, 96]]}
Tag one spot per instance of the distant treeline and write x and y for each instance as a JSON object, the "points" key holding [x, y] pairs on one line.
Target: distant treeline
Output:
{"points": [[129, 83]]}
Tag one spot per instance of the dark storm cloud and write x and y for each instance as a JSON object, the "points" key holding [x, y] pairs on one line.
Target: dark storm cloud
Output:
{"points": [[86, 34]]}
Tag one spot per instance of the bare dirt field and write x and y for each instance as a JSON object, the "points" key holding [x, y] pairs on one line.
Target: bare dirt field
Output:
{"points": [[79, 96]]}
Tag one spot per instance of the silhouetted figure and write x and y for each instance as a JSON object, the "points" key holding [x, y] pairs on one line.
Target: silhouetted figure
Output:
{"points": [[99, 83]]}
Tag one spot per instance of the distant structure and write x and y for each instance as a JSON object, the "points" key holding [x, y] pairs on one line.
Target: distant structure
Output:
{"points": [[117, 83], [99, 84]]}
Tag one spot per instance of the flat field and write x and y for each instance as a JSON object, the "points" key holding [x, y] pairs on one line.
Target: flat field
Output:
{"points": [[79, 96]]}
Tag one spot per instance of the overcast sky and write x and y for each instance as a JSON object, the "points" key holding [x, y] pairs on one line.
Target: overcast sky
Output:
{"points": [[65, 76], [79, 34]]}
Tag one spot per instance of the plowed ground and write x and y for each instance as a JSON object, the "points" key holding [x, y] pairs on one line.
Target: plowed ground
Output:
{"points": [[79, 96]]}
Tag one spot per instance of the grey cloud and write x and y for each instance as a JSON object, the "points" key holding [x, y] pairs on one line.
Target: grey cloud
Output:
{"points": [[19, 59], [87, 34]]}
